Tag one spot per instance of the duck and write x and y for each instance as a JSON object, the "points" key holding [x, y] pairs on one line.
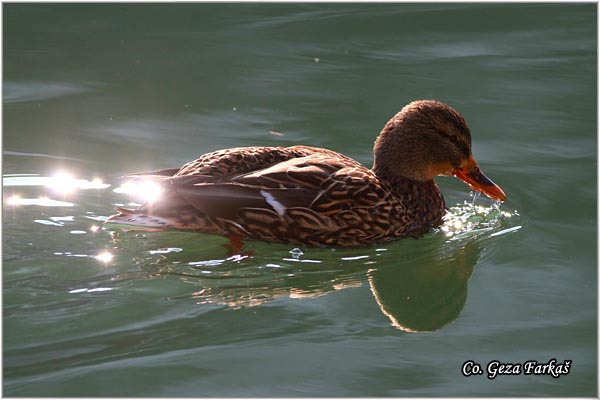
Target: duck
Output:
{"points": [[318, 197]]}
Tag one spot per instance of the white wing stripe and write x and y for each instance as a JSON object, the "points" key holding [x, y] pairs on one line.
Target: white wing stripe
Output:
{"points": [[277, 206]]}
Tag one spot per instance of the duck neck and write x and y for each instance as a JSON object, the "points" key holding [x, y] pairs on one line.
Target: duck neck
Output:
{"points": [[422, 198]]}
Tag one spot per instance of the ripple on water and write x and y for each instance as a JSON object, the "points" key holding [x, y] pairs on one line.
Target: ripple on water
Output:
{"points": [[15, 91]]}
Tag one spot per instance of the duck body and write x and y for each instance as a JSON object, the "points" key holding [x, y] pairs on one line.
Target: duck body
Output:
{"points": [[299, 194]]}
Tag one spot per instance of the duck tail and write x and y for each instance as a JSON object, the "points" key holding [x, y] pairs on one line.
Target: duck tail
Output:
{"points": [[137, 220]]}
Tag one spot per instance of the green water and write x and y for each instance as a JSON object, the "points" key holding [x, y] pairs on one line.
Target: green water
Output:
{"points": [[98, 91]]}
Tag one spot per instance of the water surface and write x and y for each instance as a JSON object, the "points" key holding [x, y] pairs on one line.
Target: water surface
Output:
{"points": [[92, 92]]}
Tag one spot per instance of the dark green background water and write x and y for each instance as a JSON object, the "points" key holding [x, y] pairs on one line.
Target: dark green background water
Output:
{"points": [[104, 90]]}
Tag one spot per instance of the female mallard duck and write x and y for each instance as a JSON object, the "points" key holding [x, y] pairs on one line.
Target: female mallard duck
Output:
{"points": [[318, 197]]}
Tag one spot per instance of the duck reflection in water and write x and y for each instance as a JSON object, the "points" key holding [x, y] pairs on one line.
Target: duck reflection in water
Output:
{"points": [[425, 296], [419, 293]]}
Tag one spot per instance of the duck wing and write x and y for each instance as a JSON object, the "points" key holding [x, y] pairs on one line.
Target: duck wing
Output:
{"points": [[294, 183], [243, 187], [224, 165]]}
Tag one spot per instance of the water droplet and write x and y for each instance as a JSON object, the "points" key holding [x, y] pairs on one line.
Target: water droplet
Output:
{"points": [[296, 253]]}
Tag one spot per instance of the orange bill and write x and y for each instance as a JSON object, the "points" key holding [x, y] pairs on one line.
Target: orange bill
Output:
{"points": [[472, 176]]}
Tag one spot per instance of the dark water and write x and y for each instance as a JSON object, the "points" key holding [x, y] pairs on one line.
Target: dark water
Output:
{"points": [[97, 91]]}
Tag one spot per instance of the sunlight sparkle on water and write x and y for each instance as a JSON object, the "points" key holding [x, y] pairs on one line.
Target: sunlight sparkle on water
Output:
{"points": [[62, 182], [86, 290], [144, 190], [44, 201], [97, 182], [13, 200], [470, 218], [104, 257]]}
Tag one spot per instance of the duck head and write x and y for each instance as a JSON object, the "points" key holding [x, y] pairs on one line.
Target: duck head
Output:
{"points": [[428, 138]]}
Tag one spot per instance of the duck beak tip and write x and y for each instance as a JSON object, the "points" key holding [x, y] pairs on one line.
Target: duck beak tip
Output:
{"points": [[476, 180]]}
